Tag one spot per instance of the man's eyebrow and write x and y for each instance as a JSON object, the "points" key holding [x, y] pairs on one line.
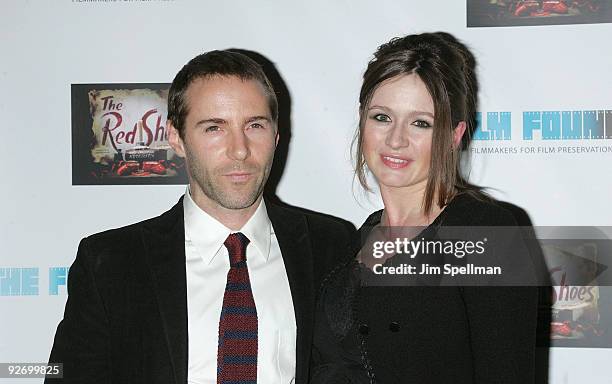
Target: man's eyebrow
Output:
{"points": [[411, 112], [213, 120], [257, 118], [219, 121]]}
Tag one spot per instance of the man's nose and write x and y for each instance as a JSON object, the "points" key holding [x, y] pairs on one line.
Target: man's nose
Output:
{"points": [[238, 146]]}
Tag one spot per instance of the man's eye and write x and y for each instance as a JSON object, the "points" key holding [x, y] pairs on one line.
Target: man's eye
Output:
{"points": [[422, 124], [256, 125], [212, 128], [381, 117]]}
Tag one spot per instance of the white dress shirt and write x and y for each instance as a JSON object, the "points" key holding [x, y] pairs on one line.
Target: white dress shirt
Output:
{"points": [[207, 264]]}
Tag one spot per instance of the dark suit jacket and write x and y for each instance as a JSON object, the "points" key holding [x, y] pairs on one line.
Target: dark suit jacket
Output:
{"points": [[126, 316]]}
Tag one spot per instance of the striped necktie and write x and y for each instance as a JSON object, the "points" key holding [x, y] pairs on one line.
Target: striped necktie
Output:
{"points": [[237, 353]]}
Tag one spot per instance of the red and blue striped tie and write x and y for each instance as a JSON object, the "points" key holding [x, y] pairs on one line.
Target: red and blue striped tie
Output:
{"points": [[237, 353]]}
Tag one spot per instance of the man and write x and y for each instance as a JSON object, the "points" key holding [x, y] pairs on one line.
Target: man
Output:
{"points": [[220, 288]]}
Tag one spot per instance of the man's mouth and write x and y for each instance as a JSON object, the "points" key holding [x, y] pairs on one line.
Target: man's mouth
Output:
{"points": [[238, 177]]}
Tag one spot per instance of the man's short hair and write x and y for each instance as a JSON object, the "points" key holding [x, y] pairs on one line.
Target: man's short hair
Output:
{"points": [[210, 64]]}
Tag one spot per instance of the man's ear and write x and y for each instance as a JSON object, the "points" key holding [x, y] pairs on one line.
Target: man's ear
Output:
{"points": [[175, 140], [276, 135], [458, 134]]}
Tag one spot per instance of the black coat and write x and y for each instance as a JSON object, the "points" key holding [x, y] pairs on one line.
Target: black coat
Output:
{"points": [[432, 334], [126, 316]]}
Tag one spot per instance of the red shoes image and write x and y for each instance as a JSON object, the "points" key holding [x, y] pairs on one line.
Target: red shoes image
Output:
{"points": [[525, 8], [537, 8], [555, 7]]}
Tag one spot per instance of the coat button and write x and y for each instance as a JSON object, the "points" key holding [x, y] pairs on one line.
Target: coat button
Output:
{"points": [[394, 326], [364, 329]]}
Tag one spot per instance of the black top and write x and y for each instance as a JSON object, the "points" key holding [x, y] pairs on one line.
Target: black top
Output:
{"points": [[426, 334]]}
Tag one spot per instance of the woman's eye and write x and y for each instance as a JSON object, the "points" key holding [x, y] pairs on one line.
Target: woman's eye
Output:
{"points": [[381, 117], [422, 124]]}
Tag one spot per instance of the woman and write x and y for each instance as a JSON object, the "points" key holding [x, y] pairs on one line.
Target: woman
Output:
{"points": [[417, 109]]}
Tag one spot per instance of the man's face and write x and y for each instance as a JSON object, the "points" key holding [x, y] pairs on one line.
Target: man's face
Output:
{"points": [[228, 142]]}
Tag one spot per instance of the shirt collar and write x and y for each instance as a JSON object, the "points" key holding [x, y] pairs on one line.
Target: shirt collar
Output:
{"points": [[207, 234]]}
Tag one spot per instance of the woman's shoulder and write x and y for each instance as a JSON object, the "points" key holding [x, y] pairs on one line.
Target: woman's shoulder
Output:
{"points": [[469, 209]]}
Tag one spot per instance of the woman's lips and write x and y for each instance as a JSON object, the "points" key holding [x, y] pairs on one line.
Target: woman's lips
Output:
{"points": [[395, 162]]}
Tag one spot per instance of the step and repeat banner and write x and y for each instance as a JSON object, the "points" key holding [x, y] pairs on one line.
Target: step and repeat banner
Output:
{"points": [[83, 89]]}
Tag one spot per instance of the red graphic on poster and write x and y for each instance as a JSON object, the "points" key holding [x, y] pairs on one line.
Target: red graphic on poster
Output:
{"points": [[489, 13]]}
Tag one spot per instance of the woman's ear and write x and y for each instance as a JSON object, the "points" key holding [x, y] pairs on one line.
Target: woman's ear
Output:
{"points": [[458, 134]]}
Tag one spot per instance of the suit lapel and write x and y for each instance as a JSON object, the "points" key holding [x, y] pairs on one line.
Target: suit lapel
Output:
{"points": [[293, 238], [164, 239]]}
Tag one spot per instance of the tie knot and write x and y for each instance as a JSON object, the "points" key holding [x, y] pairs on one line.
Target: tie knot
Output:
{"points": [[236, 244]]}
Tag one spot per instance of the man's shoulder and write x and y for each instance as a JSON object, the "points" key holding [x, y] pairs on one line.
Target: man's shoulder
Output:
{"points": [[331, 238], [129, 237], [316, 222]]}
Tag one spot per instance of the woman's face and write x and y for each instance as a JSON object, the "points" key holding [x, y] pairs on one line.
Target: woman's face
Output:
{"points": [[398, 131]]}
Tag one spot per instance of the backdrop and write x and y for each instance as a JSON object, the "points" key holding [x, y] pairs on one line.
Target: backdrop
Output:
{"points": [[70, 68]]}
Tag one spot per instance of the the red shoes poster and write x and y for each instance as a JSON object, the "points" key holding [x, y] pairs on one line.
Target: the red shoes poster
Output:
{"points": [[119, 135], [503, 13]]}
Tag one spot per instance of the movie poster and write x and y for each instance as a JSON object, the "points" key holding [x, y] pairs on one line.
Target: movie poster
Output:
{"points": [[581, 291], [119, 135], [503, 13]]}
